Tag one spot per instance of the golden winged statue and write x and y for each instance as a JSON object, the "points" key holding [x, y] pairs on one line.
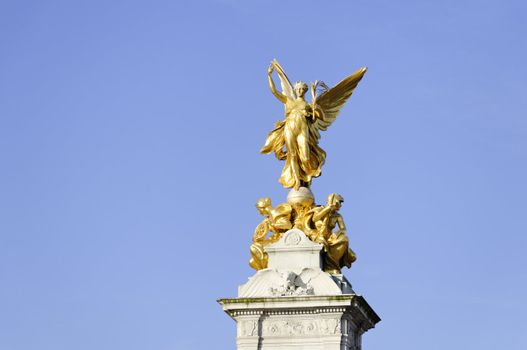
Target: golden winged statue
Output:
{"points": [[295, 139]]}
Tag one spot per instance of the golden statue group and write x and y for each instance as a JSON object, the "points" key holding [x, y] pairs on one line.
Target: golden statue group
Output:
{"points": [[295, 140]]}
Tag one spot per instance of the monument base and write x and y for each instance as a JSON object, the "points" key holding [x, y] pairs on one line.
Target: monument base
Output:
{"points": [[300, 322], [294, 304]]}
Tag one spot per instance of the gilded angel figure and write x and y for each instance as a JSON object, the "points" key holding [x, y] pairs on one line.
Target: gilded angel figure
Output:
{"points": [[295, 139]]}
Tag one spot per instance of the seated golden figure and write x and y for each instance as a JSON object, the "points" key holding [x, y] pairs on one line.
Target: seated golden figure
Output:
{"points": [[277, 221], [319, 223]]}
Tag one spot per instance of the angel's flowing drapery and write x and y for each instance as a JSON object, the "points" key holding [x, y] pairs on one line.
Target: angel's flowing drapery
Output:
{"points": [[303, 157], [295, 139]]}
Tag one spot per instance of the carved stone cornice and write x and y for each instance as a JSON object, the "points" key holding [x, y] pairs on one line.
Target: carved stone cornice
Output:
{"points": [[353, 305]]}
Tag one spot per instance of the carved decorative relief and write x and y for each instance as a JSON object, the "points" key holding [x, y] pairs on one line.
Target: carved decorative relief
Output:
{"points": [[330, 326], [248, 328], [301, 327], [293, 238], [291, 285]]}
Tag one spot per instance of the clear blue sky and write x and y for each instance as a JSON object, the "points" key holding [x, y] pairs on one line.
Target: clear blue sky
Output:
{"points": [[129, 138]]}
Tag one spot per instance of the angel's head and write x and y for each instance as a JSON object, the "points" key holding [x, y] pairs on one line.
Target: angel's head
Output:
{"points": [[300, 88]]}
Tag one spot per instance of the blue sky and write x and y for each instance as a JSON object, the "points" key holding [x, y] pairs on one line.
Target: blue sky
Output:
{"points": [[129, 138]]}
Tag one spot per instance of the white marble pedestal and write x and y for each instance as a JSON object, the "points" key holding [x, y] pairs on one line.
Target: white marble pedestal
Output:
{"points": [[293, 304]]}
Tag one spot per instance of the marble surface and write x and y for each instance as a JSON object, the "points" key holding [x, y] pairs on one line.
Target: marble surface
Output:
{"points": [[294, 304]]}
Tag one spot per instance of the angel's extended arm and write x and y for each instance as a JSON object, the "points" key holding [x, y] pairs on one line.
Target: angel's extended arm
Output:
{"points": [[275, 92]]}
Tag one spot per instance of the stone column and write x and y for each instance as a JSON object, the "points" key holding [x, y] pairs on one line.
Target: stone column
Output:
{"points": [[293, 304]]}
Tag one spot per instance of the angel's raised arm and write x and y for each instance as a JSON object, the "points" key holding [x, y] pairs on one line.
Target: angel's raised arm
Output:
{"points": [[275, 92]]}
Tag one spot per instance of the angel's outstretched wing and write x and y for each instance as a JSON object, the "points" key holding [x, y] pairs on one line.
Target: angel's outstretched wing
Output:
{"points": [[329, 103], [287, 88]]}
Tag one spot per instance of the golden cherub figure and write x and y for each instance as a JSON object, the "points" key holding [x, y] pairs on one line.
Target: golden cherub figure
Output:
{"points": [[295, 139], [277, 221]]}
